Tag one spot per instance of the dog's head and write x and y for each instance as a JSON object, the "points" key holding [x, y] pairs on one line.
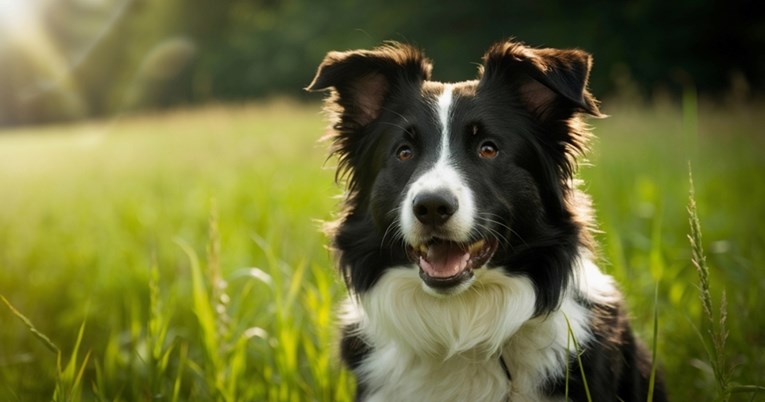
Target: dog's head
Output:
{"points": [[451, 178]]}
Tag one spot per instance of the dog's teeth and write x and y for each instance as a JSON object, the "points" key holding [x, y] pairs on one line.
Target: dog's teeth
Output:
{"points": [[476, 246]]}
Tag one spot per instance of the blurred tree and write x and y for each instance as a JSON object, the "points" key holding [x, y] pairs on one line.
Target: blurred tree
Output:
{"points": [[114, 55]]}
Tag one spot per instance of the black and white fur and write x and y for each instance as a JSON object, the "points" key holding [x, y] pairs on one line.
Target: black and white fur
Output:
{"points": [[464, 240]]}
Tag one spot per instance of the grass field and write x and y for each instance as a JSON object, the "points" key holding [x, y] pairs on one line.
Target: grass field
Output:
{"points": [[179, 257]]}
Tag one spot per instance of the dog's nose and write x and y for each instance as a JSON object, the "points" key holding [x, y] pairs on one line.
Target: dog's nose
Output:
{"points": [[434, 208]]}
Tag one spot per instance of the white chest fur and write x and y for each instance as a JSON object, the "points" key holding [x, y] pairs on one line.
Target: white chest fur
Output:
{"points": [[429, 348]]}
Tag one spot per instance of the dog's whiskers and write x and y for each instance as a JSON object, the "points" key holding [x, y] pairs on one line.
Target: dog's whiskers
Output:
{"points": [[487, 216]]}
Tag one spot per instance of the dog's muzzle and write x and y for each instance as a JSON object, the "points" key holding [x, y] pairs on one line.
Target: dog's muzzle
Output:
{"points": [[445, 265]]}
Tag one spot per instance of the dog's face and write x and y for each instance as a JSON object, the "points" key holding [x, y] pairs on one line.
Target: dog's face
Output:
{"points": [[452, 178]]}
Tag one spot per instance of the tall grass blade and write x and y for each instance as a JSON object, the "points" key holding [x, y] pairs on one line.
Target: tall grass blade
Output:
{"points": [[716, 353], [182, 359], [740, 389], [718, 329], [578, 359], [654, 355], [160, 350], [716, 357], [218, 285], [69, 384], [568, 354], [28, 323], [206, 319]]}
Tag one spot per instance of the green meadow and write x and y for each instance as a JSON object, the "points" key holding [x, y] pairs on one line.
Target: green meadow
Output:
{"points": [[179, 256]]}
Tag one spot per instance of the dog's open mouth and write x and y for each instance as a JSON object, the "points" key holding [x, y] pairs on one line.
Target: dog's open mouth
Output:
{"points": [[444, 263]]}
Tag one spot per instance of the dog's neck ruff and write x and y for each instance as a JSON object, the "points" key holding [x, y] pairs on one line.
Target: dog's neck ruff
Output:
{"points": [[504, 368], [484, 344]]}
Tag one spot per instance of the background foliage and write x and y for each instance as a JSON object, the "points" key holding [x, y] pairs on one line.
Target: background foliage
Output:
{"points": [[78, 58]]}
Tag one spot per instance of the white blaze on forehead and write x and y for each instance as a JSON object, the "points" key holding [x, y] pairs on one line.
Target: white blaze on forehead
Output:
{"points": [[444, 106], [442, 176]]}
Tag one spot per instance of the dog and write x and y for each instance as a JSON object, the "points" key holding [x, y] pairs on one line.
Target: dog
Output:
{"points": [[464, 239]]}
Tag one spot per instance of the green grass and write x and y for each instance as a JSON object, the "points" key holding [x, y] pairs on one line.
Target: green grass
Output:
{"points": [[179, 256]]}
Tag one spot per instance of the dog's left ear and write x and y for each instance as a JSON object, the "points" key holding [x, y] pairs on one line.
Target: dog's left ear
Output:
{"points": [[544, 78], [361, 80]]}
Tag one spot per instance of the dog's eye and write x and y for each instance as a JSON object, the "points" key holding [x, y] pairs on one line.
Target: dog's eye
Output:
{"points": [[404, 153], [488, 150]]}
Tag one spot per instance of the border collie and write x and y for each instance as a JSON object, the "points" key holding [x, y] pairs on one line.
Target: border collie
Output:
{"points": [[464, 240]]}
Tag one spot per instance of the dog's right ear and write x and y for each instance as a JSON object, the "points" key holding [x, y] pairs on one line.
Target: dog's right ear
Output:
{"points": [[361, 80], [544, 78]]}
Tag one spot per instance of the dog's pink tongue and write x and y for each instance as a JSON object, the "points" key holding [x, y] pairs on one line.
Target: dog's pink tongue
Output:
{"points": [[444, 260]]}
